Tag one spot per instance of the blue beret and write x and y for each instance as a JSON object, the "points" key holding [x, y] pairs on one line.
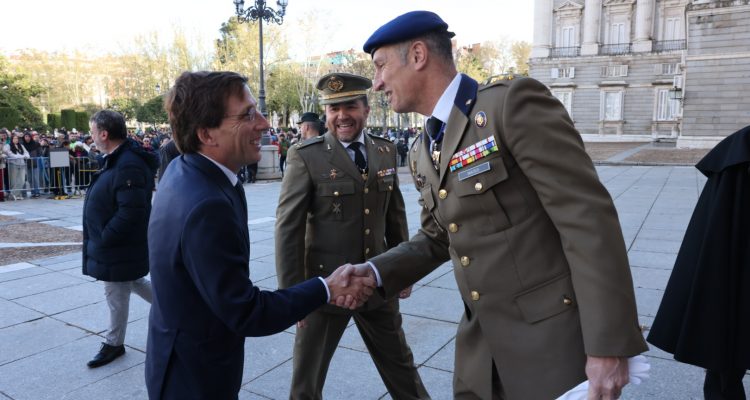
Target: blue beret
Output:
{"points": [[404, 27]]}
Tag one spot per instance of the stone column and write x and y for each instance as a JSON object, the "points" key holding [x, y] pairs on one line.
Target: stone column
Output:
{"points": [[644, 17], [542, 28], [592, 10]]}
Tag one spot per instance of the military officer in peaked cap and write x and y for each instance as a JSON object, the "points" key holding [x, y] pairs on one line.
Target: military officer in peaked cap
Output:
{"points": [[510, 196], [340, 203]]}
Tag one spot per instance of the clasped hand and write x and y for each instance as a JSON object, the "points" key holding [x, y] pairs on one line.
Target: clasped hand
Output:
{"points": [[351, 285]]}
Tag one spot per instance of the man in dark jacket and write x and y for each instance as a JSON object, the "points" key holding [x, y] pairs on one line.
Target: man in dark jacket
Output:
{"points": [[115, 221], [703, 316]]}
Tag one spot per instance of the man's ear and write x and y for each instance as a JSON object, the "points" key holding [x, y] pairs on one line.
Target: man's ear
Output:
{"points": [[418, 54], [206, 137]]}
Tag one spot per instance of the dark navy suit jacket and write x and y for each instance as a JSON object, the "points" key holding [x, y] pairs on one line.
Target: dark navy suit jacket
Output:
{"points": [[204, 303]]}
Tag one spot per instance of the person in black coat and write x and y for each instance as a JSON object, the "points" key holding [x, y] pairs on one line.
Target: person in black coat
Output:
{"points": [[115, 220], [704, 316]]}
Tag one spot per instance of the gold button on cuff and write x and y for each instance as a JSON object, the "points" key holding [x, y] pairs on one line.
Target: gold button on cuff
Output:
{"points": [[465, 261], [367, 211], [478, 186], [367, 250], [367, 190], [567, 301], [453, 228], [335, 193], [367, 231], [443, 193], [321, 266], [474, 295], [390, 187]]}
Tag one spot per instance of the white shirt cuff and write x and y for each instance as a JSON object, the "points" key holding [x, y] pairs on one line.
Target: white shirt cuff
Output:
{"points": [[377, 274], [328, 291]]}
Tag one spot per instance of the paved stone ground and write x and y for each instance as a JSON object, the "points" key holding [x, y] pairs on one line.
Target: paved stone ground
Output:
{"points": [[52, 317]]}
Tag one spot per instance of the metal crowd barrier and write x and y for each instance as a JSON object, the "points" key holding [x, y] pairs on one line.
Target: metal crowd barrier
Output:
{"points": [[39, 177]]}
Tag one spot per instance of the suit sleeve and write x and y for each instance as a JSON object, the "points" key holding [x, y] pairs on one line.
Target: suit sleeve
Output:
{"points": [[220, 276], [291, 220], [550, 152], [396, 226]]}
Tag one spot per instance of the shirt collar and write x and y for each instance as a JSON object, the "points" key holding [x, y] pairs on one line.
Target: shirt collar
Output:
{"points": [[230, 175], [444, 105], [360, 138]]}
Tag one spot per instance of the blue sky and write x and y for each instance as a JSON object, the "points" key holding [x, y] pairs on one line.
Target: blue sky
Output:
{"points": [[99, 25]]}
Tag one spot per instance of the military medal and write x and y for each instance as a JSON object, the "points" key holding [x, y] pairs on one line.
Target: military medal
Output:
{"points": [[480, 119], [333, 174], [419, 179], [436, 158]]}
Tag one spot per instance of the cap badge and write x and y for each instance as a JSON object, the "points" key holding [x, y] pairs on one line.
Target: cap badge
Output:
{"points": [[335, 84]]}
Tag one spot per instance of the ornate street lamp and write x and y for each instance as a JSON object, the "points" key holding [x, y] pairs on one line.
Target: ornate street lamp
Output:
{"points": [[260, 12]]}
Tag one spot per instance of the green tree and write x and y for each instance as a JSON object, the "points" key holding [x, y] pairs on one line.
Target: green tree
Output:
{"points": [[16, 90], [152, 111], [521, 52], [128, 107]]}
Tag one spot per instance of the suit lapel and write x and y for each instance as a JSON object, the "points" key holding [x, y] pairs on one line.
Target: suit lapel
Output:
{"points": [[459, 117], [339, 158]]}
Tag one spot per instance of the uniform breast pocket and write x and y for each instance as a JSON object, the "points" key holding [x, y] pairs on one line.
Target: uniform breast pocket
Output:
{"points": [[385, 187], [331, 197], [476, 193]]}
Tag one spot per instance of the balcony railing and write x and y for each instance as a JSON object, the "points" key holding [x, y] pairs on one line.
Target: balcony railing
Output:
{"points": [[565, 52], [615, 49], [670, 45]]}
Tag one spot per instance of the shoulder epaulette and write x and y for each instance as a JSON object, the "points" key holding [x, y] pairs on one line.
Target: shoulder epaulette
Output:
{"points": [[503, 79], [379, 137], [307, 142]]}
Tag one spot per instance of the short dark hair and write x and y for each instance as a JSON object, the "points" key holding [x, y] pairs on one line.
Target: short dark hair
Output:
{"points": [[438, 43], [112, 122], [198, 100]]}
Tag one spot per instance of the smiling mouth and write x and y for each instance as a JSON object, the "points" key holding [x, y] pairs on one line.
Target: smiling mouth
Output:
{"points": [[345, 126]]}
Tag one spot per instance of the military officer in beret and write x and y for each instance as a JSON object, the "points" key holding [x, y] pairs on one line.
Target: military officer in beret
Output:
{"points": [[340, 203], [510, 196]]}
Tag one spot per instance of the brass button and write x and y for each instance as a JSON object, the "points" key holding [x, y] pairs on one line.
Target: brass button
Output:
{"points": [[367, 231], [321, 266], [465, 261], [474, 295], [453, 228], [367, 211], [443, 193], [367, 250], [478, 186], [367, 190], [390, 187], [335, 193], [567, 301]]}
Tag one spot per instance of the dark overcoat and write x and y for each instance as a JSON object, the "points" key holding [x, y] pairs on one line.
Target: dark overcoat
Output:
{"points": [[704, 316], [115, 215]]}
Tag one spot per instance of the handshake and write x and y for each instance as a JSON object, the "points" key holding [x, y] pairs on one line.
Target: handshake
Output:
{"points": [[351, 285]]}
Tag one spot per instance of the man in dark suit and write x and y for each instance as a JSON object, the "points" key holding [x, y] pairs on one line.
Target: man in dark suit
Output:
{"points": [[510, 196], [340, 202], [204, 304]]}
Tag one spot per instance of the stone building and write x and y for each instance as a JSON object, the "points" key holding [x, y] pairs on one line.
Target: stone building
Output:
{"points": [[671, 70]]}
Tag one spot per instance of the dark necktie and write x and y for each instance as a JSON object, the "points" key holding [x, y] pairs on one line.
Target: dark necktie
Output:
{"points": [[434, 126], [241, 192], [359, 158]]}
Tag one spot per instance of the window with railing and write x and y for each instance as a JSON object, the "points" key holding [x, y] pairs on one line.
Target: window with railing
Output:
{"points": [[565, 51], [615, 49], [670, 45]]}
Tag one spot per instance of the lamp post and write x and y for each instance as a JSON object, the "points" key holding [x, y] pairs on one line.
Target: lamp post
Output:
{"points": [[259, 12]]}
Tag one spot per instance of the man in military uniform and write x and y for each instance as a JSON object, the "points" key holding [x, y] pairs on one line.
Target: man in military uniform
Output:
{"points": [[510, 196], [340, 203], [309, 125]]}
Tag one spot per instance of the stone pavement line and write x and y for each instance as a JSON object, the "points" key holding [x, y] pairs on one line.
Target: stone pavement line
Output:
{"points": [[627, 153]]}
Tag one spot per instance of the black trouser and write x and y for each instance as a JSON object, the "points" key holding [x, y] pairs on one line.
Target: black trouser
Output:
{"points": [[724, 385]]}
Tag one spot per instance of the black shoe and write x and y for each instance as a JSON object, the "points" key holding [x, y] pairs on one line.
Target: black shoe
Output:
{"points": [[106, 355]]}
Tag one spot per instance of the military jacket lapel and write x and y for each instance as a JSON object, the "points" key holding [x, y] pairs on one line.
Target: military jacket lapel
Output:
{"points": [[373, 159], [459, 117], [339, 158]]}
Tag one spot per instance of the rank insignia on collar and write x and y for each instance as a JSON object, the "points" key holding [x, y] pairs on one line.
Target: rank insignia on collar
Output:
{"points": [[387, 150], [336, 208], [380, 149], [333, 174], [473, 153], [480, 119]]}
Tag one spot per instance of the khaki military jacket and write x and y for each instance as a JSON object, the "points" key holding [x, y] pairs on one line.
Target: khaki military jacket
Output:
{"points": [[330, 215], [534, 238]]}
